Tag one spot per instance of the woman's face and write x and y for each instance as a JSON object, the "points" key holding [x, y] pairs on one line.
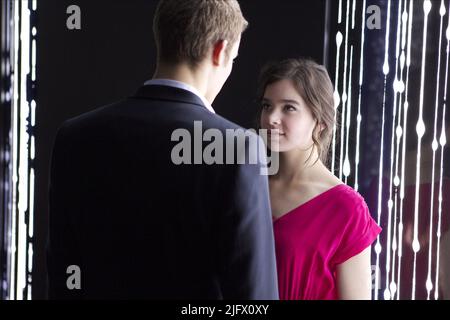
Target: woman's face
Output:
{"points": [[284, 109]]}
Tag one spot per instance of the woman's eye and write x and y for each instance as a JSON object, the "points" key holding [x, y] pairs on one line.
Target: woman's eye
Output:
{"points": [[290, 108], [265, 106]]}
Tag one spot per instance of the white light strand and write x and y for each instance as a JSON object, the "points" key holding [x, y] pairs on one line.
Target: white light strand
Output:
{"points": [[405, 121], [344, 92], [337, 98], [23, 149], [14, 151], [442, 142], [420, 130], [32, 122], [33, 60], [361, 76], [353, 14], [8, 8], [378, 246], [346, 168], [20, 248], [434, 147], [4, 98], [388, 291], [30, 258], [400, 135]]}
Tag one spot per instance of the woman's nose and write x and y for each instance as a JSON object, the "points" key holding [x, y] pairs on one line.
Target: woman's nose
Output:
{"points": [[274, 118]]}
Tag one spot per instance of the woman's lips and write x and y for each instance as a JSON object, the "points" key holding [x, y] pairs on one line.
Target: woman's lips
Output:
{"points": [[275, 133]]}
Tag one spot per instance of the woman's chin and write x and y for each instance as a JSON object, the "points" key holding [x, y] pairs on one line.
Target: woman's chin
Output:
{"points": [[274, 147]]}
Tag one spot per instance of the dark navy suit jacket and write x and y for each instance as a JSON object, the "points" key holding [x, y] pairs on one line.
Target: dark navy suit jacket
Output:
{"points": [[139, 226]]}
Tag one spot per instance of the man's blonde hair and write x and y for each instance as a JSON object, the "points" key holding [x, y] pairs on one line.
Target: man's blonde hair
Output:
{"points": [[186, 29]]}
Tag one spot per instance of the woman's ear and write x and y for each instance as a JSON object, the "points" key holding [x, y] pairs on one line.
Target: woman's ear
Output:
{"points": [[319, 128]]}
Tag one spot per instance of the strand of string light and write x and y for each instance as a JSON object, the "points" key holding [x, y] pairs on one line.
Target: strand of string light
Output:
{"points": [[6, 59], [14, 151], [344, 92], [420, 130], [346, 168], [24, 182], [336, 94], [21, 250], [353, 14], [434, 147], [442, 142], [396, 89], [31, 152], [361, 76], [399, 133], [405, 121], [380, 185]]}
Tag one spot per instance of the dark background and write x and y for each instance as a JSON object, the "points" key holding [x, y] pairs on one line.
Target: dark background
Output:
{"points": [[113, 54]]}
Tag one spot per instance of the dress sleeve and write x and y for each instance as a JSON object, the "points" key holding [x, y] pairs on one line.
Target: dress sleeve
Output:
{"points": [[359, 232]]}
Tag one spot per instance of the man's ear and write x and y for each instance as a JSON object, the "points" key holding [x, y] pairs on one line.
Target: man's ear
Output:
{"points": [[219, 52]]}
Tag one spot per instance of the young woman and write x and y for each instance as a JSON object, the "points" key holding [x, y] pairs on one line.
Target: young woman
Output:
{"points": [[323, 229]]}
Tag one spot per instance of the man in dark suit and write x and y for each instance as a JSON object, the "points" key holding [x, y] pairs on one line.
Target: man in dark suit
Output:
{"points": [[127, 218]]}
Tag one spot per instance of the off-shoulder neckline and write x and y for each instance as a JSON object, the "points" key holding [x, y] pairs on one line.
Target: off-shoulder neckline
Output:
{"points": [[312, 200]]}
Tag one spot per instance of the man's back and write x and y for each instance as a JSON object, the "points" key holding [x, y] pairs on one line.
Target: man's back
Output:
{"points": [[140, 226]]}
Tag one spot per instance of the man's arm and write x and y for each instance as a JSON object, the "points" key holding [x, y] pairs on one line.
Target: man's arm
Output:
{"points": [[61, 238], [248, 260]]}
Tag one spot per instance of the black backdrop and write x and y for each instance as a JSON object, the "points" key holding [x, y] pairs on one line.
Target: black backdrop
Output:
{"points": [[113, 54]]}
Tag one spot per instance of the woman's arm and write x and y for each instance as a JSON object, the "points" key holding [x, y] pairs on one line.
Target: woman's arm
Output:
{"points": [[354, 280]]}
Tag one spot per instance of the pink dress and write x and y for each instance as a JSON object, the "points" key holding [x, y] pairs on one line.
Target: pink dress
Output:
{"points": [[312, 239]]}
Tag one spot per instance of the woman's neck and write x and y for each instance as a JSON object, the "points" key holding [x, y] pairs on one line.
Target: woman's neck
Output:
{"points": [[297, 166]]}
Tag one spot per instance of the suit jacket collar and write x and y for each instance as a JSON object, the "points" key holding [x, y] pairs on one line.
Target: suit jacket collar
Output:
{"points": [[166, 93]]}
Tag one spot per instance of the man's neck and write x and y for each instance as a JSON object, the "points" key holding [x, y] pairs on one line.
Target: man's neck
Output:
{"points": [[183, 73]]}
